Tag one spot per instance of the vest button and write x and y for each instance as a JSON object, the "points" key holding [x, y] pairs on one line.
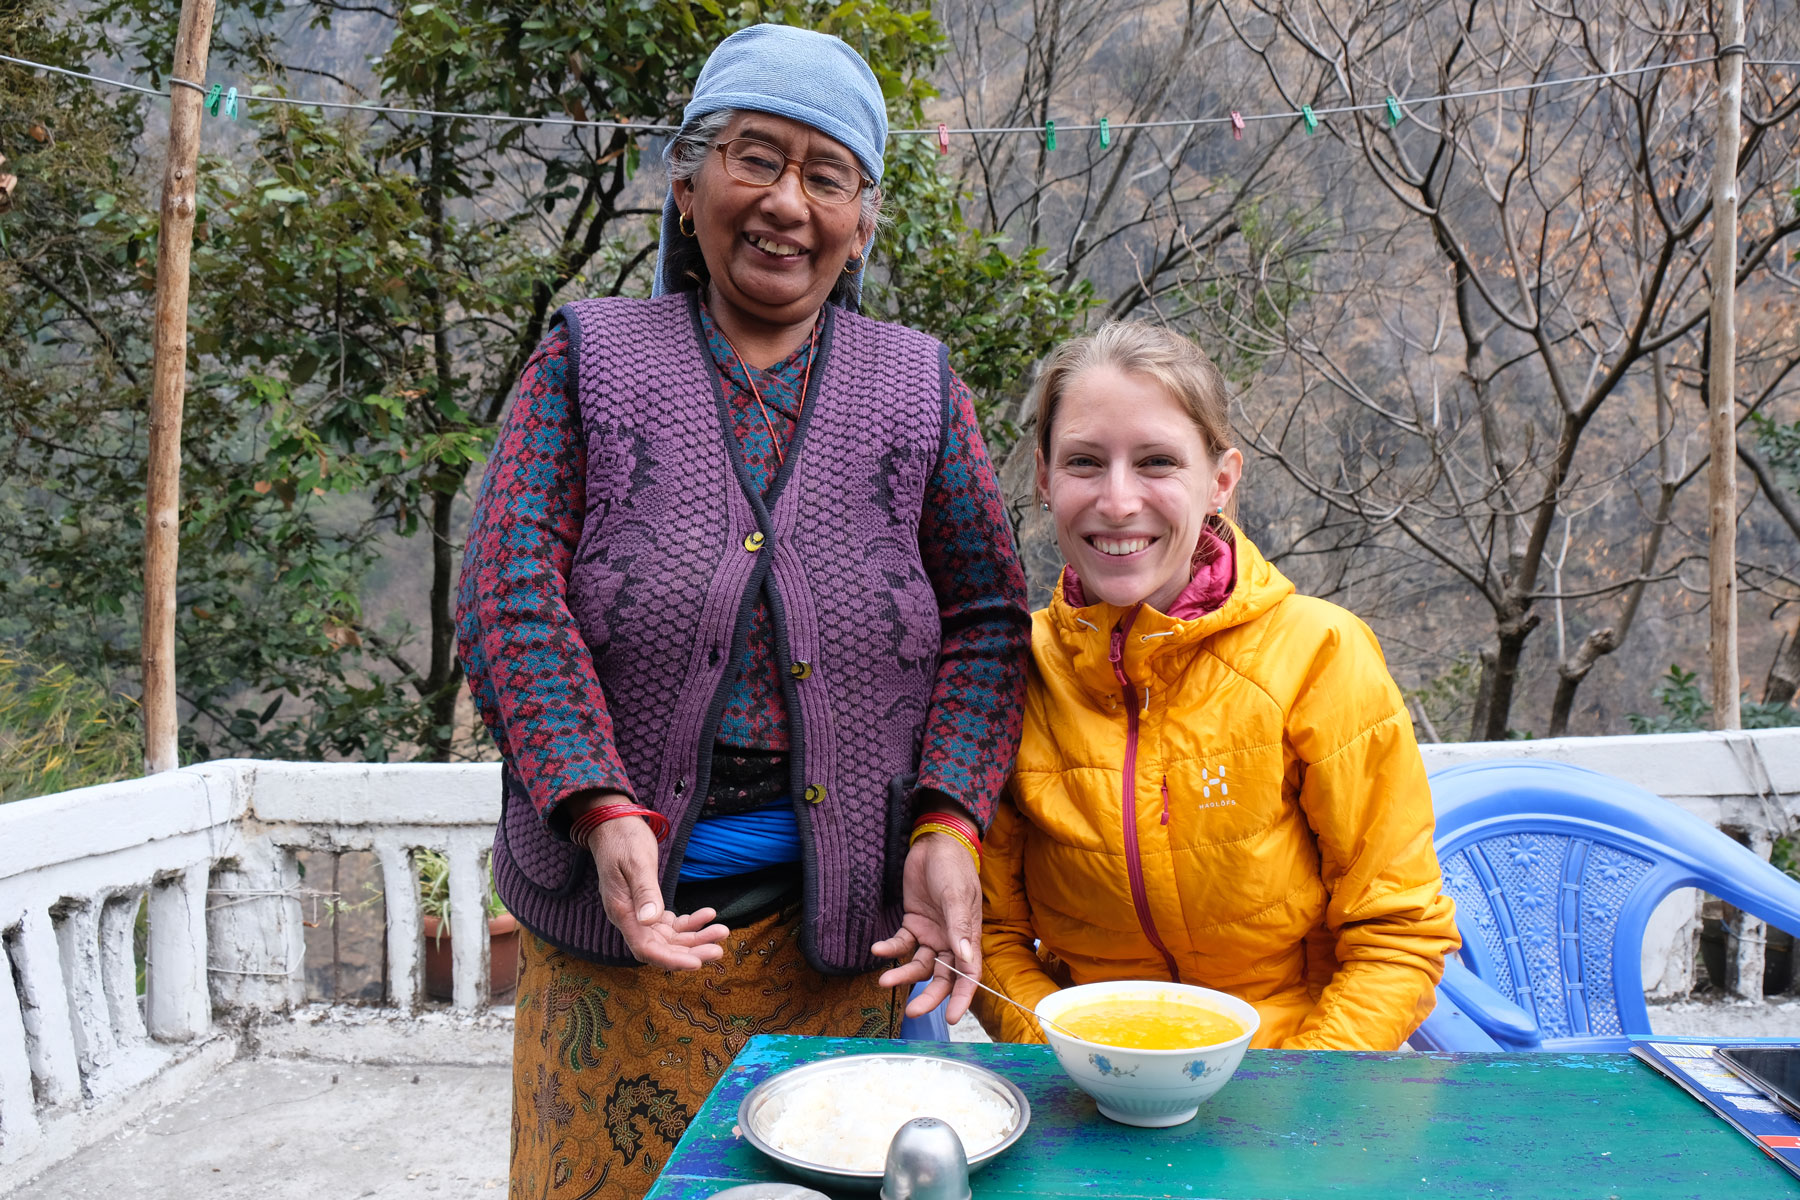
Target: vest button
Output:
{"points": [[815, 793], [800, 670], [754, 542]]}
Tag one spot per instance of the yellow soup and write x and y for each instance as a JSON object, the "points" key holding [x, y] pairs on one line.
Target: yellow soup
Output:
{"points": [[1149, 1024]]}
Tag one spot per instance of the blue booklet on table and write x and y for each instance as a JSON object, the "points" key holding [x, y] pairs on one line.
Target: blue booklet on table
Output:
{"points": [[1740, 1102]]}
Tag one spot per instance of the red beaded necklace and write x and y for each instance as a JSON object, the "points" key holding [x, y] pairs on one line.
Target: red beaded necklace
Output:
{"points": [[806, 381]]}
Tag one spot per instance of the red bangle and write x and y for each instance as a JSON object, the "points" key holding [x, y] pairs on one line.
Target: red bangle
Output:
{"points": [[955, 821], [585, 823]]}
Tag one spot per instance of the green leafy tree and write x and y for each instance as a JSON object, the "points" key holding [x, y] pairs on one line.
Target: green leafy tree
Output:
{"points": [[1686, 709], [76, 254], [366, 291]]}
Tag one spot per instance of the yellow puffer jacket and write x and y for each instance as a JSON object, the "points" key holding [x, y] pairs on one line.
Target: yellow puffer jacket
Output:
{"points": [[1247, 811]]}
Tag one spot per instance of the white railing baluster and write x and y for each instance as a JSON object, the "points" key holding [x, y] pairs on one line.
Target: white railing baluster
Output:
{"points": [[177, 1002], [49, 1032], [255, 944], [400, 892], [19, 1129], [468, 923], [1746, 937], [118, 967], [78, 948]]}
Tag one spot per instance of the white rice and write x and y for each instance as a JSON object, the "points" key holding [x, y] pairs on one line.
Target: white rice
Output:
{"points": [[845, 1119]]}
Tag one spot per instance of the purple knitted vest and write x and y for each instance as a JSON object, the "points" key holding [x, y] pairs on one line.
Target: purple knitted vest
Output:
{"points": [[675, 549]]}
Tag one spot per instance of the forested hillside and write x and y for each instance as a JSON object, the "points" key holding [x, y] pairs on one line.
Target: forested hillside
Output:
{"points": [[1470, 346]]}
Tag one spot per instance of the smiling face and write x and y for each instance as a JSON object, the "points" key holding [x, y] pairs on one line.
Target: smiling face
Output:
{"points": [[773, 253], [1130, 483]]}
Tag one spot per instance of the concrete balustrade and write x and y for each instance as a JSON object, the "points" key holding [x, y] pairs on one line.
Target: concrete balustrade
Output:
{"points": [[210, 852]]}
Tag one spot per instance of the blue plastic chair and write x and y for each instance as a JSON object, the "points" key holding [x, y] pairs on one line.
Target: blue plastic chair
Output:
{"points": [[932, 1027], [1555, 871]]}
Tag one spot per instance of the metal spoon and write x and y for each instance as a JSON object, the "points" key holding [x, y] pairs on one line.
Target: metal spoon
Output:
{"points": [[1028, 1012]]}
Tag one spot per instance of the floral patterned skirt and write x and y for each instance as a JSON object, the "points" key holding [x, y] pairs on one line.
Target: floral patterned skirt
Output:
{"points": [[611, 1063]]}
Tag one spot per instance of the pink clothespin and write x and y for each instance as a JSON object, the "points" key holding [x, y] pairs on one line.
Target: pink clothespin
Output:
{"points": [[1237, 126], [943, 139]]}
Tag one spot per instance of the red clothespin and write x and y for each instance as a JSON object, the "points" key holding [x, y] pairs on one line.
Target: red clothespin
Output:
{"points": [[943, 138], [1237, 126]]}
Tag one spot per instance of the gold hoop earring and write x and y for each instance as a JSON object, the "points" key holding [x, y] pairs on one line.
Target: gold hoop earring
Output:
{"points": [[853, 265], [685, 223]]}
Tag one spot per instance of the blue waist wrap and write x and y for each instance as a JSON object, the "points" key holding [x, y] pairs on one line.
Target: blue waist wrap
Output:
{"points": [[742, 842]]}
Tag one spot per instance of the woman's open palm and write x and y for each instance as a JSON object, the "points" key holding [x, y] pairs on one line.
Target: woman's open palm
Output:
{"points": [[625, 858]]}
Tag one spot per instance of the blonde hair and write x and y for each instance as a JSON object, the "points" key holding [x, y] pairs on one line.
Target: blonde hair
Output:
{"points": [[1155, 352]]}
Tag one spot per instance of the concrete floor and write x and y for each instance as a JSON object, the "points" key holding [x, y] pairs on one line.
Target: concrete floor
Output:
{"points": [[1773, 1017], [264, 1129], [268, 1128]]}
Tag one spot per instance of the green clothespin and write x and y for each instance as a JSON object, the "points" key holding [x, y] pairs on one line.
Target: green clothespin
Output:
{"points": [[1105, 134], [1395, 116], [231, 104], [212, 99], [1049, 135], [1311, 118]]}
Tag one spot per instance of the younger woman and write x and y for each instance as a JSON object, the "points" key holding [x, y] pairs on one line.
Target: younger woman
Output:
{"points": [[1218, 782]]}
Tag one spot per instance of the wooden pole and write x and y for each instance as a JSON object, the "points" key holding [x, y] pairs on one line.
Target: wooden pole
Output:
{"points": [[162, 500], [1721, 398]]}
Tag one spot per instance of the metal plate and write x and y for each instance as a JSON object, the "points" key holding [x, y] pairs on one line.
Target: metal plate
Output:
{"points": [[759, 1101]]}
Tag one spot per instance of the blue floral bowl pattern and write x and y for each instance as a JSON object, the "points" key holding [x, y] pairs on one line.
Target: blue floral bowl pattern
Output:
{"points": [[1153, 1088]]}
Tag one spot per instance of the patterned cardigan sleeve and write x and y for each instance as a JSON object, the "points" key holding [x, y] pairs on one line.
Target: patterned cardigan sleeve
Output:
{"points": [[529, 670], [973, 725]]}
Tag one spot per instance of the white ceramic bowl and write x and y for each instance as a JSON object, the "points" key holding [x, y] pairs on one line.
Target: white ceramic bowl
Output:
{"points": [[1153, 1088]]}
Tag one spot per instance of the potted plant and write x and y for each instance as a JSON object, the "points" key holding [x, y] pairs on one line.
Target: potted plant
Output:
{"points": [[503, 932]]}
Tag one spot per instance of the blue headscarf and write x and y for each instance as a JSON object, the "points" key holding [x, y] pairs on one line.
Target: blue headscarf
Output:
{"points": [[810, 77]]}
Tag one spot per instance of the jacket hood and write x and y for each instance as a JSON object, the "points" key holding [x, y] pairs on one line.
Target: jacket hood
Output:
{"points": [[1084, 635]]}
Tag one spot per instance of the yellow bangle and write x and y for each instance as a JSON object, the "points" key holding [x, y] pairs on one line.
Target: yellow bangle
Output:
{"points": [[949, 831]]}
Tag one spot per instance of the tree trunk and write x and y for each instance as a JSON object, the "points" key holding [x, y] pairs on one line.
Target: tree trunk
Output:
{"points": [[1504, 671], [1484, 698], [1784, 676], [1570, 675], [1721, 400], [444, 679], [444, 674], [162, 498]]}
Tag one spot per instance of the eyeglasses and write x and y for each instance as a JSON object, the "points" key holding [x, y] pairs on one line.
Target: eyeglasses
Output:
{"points": [[755, 162]]}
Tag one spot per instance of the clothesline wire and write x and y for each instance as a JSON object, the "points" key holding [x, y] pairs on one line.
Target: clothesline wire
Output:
{"points": [[933, 131]]}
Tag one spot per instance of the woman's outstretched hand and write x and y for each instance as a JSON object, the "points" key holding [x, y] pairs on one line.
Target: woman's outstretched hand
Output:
{"points": [[624, 853], [942, 895]]}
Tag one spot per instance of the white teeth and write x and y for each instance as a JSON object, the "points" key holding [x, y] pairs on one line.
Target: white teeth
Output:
{"points": [[1129, 546], [781, 248]]}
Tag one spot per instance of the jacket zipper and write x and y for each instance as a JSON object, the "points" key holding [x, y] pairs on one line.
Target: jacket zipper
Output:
{"points": [[1134, 865]]}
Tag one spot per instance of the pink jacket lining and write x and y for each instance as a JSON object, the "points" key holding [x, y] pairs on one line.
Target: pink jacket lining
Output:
{"points": [[1214, 573]]}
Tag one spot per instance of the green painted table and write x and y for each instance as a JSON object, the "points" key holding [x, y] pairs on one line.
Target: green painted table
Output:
{"points": [[1293, 1125]]}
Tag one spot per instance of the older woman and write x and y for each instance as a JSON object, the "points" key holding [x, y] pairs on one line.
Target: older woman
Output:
{"points": [[1218, 782], [741, 609]]}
